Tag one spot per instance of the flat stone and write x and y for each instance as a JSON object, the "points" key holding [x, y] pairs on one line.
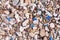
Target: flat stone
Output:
{"points": [[42, 32]]}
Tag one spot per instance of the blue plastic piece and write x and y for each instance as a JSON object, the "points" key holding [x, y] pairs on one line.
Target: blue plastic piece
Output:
{"points": [[8, 18], [34, 19], [48, 17], [32, 25], [45, 24], [11, 38], [51, 38]]}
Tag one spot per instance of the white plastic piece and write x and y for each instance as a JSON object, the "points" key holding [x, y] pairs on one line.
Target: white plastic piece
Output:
{"points": [[52, 25]]}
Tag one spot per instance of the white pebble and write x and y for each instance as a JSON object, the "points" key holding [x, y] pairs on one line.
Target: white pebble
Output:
{"points": [[25, 22], [47, 34], [52, 25], [55, 14], [31, 34], [27, 15], [46, 28], [21, 29]]}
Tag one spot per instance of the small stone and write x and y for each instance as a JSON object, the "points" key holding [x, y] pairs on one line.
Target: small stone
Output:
{"points": [[46, 28], [2, 32], [52, 25], [47, 34], [0, 36], [31, 34], [40, 24], [27, 15], [34, 28], [42, 32], [45, 38], [55, 14], [21, 29], [6, 12], [25, 22], [58, 26]]}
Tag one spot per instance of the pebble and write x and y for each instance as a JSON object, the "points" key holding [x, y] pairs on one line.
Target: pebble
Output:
{"points": [[45, 38], [52, 25], [31, 34], [39, 12], [55, 14], [25, 22], [42, 32], [27, 15], [46, 28], [21, 29]]}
